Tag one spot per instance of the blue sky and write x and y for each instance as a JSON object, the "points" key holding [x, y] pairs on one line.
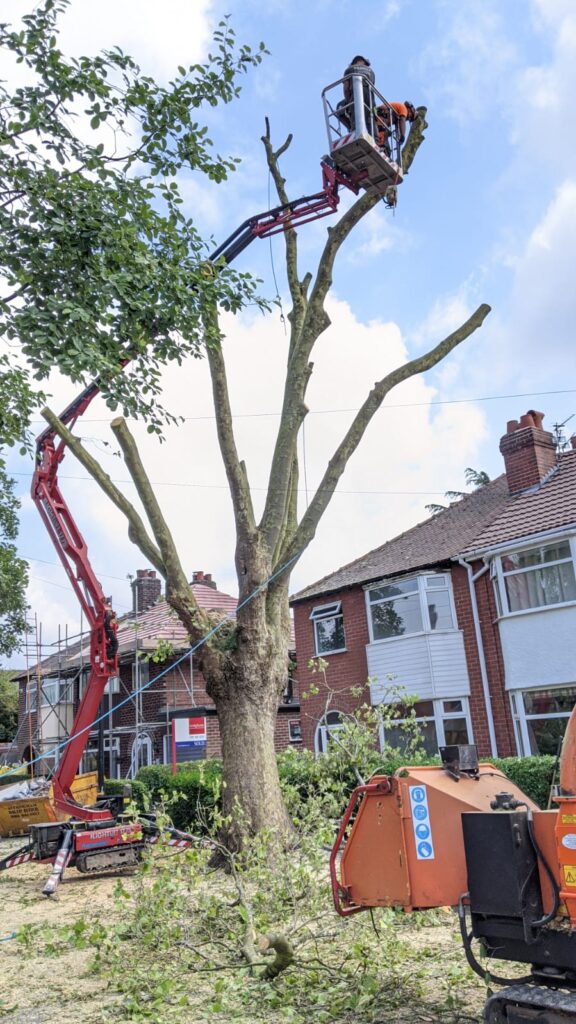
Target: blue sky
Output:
{"points": [[487, 214]]}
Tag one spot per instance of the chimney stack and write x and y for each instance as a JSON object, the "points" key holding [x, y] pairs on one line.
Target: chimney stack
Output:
{"points": [[529, 452], [205, 578], [146, 589]]}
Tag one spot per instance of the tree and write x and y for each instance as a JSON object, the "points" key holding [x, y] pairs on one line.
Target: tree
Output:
{"points": [[8, 707], [475, 478], [15, 404], [244, 664]]}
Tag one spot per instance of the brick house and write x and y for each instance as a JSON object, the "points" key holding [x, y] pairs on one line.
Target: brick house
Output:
{"points": [[172, 718], [473, 612]]}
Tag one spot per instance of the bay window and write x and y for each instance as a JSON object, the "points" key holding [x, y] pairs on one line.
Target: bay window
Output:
{"points": [[540, 718], [422, 604], [536, 577], [439, 723]]}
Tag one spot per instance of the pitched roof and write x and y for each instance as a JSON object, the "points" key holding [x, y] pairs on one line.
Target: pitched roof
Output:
{"points": [[144, 630], [484, 518], [549, 507]]}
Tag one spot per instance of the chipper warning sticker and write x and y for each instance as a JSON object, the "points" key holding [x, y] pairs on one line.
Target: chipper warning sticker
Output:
{"points": [[569, 875], [421, 823]]}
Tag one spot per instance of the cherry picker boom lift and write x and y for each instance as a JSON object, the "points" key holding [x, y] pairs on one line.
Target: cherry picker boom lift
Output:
{"points": [[97, 838]]}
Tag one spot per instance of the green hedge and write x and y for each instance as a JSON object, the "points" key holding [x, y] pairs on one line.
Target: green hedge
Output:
{"points": [[193, 794], [533, 775]]}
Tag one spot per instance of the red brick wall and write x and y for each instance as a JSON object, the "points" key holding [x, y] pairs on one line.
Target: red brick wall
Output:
{"points": [[501, 711], [529, 454], [345, 670], [503, 727]]}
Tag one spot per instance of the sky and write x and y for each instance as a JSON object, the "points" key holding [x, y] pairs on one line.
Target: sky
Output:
{"points": [[487, 214]]}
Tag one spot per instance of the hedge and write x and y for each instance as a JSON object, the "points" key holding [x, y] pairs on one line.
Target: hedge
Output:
{"points": [[533, 775], [192, 795]]}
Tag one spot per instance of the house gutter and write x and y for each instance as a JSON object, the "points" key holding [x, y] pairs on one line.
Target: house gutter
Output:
{"points": [[516, 542], [480, 646]]}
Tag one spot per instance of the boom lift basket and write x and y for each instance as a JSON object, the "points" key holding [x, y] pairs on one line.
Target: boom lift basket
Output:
{"points": [[353, 129]]}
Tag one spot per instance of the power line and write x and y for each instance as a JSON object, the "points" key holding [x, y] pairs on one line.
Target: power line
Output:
{"points": [[220, 487], [397, 405]]}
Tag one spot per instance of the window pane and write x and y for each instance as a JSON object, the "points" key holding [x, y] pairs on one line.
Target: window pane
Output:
{"points": [[455, 730], [394, 590], [329, 634], [553, 585], [403, 741], [394, 618], [424, 709], [435, 581], [451, 706], [535, 556], [440, 610], [550, 702], [545, 734]]}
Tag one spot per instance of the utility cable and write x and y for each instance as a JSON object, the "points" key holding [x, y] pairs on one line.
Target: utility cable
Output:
{"points": [[394, 405], [191, 650]]}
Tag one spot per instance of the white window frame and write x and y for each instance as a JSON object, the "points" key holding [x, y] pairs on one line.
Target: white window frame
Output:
{"points": [[65, 692], [423, 590], [324, 729], [320, 613], [499, 575], [439, 716], [295, 722], [521, 718]]}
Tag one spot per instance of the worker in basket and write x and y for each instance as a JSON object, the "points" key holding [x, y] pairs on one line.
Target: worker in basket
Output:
{"points": [[393, 117], [345, 108]]}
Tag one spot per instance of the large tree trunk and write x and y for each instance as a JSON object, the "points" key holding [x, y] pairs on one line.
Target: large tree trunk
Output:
{"points": [[251, 798]]}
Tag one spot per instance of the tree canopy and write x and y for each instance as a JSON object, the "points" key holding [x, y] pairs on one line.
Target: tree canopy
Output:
{"points": [[100, 264]]}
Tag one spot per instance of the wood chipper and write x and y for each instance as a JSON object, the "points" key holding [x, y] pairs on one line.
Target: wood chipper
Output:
{"points": [[463, 835]]}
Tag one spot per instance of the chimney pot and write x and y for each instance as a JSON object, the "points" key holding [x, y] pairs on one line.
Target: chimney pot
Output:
{"points": [[537, 417], [526, 421], [573, 441], [511, 426]]}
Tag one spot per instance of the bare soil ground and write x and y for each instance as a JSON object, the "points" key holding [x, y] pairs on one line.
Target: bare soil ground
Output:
{"points": [[36, 988]]}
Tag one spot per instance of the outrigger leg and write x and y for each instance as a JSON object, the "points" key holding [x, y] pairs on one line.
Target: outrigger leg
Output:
{"points": [[17, 857], [62, 858]]}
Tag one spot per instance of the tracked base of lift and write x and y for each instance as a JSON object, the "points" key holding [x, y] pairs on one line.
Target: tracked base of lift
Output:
{"points": [[358, 156]]}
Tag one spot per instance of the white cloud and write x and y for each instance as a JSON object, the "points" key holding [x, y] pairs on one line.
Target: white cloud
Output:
{"points": [[376, 234], [159, 38], [468, 63], [446, 314]]}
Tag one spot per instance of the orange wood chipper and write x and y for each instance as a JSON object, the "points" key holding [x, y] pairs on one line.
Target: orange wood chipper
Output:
{"points": [[462, 835]]}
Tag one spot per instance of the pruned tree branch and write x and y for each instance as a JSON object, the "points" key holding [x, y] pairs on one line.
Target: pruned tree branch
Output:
{"points": [[272, 158], [136, 529], [235, 468], [310, 320], [339, 460], [170, 559]]}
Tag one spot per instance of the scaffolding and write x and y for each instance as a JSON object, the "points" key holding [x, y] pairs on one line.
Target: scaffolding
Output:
{"points": [[52, 685]]}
